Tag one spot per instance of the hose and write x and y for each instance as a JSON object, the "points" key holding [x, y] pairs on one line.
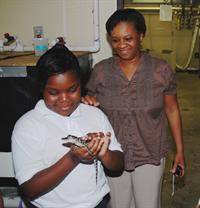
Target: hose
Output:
{"points": [[195, 34]]}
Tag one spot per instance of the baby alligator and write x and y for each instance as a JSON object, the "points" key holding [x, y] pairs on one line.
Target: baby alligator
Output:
{"points": [[77, 141]]}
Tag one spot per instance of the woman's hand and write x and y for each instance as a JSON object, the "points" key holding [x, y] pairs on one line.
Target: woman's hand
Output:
{"points": [[90, 100], [179, 160]]}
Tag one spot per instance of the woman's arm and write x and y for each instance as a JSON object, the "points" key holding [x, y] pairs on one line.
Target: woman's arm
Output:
{"points": [[174, 119]]}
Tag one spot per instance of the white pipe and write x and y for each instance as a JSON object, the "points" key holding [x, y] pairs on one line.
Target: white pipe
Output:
{"points": [[196, 30], [96, 34]]}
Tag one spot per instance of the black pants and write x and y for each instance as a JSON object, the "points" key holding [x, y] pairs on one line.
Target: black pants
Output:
{"points": [[102, 204]]}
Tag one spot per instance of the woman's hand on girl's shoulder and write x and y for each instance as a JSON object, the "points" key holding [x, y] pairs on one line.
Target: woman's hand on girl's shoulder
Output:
{"points": [[90, 100]]}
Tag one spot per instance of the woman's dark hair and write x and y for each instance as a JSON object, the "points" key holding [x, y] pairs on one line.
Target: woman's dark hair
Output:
{"points": [[126, 15], [57, 60]]}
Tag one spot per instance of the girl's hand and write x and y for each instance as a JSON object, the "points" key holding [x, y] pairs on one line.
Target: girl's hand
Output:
{"points": [[98, 142], [106, 142]]}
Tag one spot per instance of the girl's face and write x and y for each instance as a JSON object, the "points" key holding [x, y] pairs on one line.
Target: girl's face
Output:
{"points": [[62, 93], [125, 41]]}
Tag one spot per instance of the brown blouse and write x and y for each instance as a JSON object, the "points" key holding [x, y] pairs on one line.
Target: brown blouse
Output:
{"points": [[135, 108]]}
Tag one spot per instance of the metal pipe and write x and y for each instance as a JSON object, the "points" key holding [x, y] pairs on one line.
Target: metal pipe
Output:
{"points": [[157, 8]]}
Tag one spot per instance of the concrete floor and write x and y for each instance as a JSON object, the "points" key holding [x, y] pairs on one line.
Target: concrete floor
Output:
{"points": [[187, 189]]}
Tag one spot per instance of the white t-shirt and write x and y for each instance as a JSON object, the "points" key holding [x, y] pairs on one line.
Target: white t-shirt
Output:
{"points": [[37, 144]]}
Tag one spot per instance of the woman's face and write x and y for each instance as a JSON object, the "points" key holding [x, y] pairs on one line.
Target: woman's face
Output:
{"points": [[62, 93], [125, 41]]}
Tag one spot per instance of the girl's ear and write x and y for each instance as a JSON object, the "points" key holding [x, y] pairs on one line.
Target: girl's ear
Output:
{"points": [[141, 37]]}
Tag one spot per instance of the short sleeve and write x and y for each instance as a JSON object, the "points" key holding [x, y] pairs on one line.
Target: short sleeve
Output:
{"points": [[26, 150], [171, 85], [167, 77], [96, 78], [91, 85]]}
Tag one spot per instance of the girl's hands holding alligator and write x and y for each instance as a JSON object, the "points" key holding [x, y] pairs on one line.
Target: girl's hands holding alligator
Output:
{"points": [[90, 152]]}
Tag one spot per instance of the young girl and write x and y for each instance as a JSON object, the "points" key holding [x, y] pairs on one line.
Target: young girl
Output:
{"points": [[50, 173]]}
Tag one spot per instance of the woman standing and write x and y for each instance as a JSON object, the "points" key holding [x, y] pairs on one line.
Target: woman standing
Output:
{"points": [[138, 93]]}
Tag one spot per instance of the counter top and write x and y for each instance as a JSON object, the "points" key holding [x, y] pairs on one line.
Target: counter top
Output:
{"points": [[28, 58]]}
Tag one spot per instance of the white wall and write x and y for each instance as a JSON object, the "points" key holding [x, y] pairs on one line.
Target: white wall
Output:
{"points": [[18, 17]]}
